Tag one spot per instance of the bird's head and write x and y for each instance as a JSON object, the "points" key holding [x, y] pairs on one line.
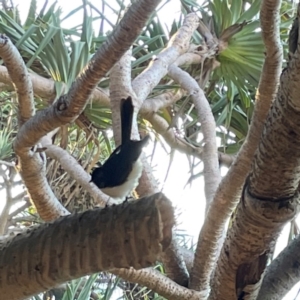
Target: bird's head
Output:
{"points": [[98, 177]]}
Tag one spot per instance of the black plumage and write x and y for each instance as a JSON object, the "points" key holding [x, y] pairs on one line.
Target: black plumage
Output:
{"points": [[119, 175]]}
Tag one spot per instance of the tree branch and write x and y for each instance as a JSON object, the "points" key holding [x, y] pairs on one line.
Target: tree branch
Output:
{"points": [[282, 274], [162, 127], [81, 244], [229, 190], [69, 106], [179, 44], [120, 87], [249, 244], [208, 126], [158, 283], [174, 264], [45, 87], [18, 74], [31, 164], [72, 167]]}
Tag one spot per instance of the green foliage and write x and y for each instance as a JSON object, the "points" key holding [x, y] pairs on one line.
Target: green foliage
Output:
{"points": [[5, 144], [62, 53], [46, 47], [79, 289], [7, 126]]}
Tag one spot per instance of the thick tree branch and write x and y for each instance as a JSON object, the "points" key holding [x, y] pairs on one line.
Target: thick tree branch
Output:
{"points": [[276, 160], [31, 164], [110, 52], [20, 77], [281, 136], [228, 192], [210, 153], [282, 274], [81, 244], [249, 245]]}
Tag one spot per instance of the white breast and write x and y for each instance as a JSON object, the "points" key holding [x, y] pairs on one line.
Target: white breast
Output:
{"points": [[121, 191]]}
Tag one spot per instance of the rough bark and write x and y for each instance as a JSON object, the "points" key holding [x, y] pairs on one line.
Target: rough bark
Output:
{"points": [[174, 264], [159, 283], [249, 243], [128, 235], [31, 164], [278, 156], [272, 196], [229, 190], [20, 77], [282, 274]]}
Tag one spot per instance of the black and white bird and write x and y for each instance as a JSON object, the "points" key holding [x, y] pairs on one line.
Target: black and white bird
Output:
{"points": [[120, 173]]}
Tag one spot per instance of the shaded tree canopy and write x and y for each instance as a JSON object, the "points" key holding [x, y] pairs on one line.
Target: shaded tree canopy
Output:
{"points": [[219, 85]]}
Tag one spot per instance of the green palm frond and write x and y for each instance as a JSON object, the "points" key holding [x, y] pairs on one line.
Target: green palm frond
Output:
{"points": [[6, 150]]}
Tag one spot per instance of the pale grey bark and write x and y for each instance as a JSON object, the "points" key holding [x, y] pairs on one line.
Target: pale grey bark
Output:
{"points": [[20, 77], [179, 44], [210, 160], [271, 196], [249, 244], [282, 274], [229, 191], [76, 245], [160, 284], [72, 167], [68, 107], [120, 87], [45, 87], [162, 127], [174, 264]]}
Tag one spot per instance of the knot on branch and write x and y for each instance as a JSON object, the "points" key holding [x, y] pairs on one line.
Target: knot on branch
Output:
{"points": [[62, 103]]}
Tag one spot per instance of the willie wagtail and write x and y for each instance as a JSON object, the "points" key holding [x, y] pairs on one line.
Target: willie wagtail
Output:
{"points": [[120, 173]]}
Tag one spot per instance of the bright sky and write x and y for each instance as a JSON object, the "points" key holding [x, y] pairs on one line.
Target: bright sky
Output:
{"points": [[169, 12], [189, 200]]}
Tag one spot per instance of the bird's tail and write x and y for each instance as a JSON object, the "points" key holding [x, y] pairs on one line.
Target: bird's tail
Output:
{"points": [[127, 110]]}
